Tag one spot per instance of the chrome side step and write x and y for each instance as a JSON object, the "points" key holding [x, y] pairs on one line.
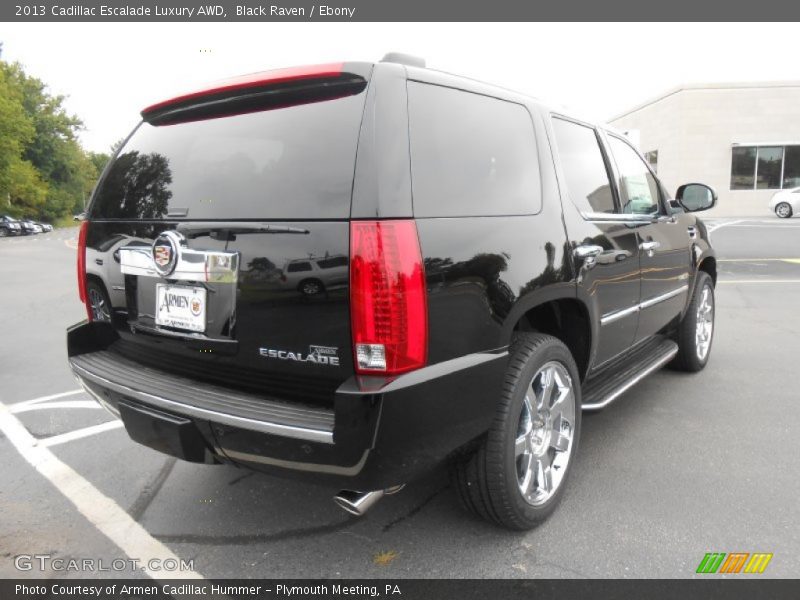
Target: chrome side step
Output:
{"points": [[602, 391]]}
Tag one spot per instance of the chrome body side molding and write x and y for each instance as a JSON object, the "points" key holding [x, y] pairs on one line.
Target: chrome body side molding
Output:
{"points": [[619, 217], [619, 314]]}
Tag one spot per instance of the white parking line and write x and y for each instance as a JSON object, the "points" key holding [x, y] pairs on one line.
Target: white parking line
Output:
{"points": [[758, 281], [762, 225], [46, 398], [713, 228], [55, 440], [789, 260], [101, 511], [16, 408]]}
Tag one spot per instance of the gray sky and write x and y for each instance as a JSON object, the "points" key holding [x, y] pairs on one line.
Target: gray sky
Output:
{"points": [[111, 71]]}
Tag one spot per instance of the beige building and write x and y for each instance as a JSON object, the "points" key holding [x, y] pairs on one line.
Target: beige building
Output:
{"points": [[743, 139]]}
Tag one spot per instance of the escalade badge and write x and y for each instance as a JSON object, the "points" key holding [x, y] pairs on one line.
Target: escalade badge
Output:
{"points": [[319, 355], [165, 252]]}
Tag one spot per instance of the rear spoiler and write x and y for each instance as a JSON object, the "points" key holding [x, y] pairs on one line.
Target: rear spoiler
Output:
{"points": [[261, 91]]}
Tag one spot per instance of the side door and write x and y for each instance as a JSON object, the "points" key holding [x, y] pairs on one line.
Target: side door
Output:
{"points": [[604, 245], [663, 237]]}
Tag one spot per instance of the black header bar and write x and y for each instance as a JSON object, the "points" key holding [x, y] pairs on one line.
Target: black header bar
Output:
{"points": [[276, 11], [752, 588]]}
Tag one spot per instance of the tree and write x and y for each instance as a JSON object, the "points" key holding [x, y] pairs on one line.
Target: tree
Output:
{"points": [[26, 190], [46, 139], [16, 132], [99, 160], [137, 184]]}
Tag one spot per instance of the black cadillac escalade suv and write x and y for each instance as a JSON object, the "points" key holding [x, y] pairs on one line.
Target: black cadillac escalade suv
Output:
{"points": [[354, 272]]}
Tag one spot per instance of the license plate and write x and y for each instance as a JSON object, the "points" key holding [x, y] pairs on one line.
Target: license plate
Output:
{"points": [[181, 307]]}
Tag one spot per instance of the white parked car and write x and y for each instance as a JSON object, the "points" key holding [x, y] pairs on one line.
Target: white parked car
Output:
{"points": [[786, 203], [312, 276]]}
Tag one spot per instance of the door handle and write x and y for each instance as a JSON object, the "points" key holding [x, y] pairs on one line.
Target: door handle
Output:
{"points": [[613, 256], [649, 247], [588, 253]]}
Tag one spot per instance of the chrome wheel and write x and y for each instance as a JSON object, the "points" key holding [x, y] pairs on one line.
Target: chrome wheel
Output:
{"points": [[311, 288], [100, 311], [704, 327], [544, 437], [783, 210]]}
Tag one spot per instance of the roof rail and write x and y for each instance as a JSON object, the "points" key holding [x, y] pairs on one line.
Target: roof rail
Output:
{"points": [[404, 59]]}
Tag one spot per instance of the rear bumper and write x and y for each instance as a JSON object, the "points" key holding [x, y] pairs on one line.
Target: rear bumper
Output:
{"points": [[379, 433]]}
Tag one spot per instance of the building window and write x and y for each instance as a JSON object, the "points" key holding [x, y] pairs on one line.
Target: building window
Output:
{"points": [[791, 167], [765, 167], [768, 170], [743, 168], [652, 160]]}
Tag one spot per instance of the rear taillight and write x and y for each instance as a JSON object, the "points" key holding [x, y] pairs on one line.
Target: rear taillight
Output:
{"points": [[388, 303], [82, 268]]}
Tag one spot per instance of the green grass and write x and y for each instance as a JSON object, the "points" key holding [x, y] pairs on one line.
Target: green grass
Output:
{"points": [[65, 221]]}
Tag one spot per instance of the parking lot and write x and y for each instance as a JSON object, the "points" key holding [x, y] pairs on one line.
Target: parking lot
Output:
{"points": [[679, 466]]}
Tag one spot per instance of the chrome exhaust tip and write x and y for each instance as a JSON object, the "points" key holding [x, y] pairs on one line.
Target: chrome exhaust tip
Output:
{"points": [[358, 503]]}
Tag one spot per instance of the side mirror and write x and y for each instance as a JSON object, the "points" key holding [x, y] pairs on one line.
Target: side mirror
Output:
{"points": [[695, 197]]}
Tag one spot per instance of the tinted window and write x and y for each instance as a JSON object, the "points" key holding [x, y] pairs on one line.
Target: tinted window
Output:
{"points": [[637, 186], [471, 154], [743, 167], [791, 167], [295, 162], [330, 263], [588, 184], [298, 266], [769, 167]]}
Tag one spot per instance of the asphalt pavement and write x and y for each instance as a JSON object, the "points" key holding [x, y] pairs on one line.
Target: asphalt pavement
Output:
{"points": [[679, 466]]}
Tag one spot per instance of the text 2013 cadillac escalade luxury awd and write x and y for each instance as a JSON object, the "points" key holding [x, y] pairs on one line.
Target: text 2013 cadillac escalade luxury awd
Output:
{"points": [[354, 272]]}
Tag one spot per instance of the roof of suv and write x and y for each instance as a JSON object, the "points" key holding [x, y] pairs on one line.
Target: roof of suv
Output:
{"points": [[330, 73], [433, 76]]}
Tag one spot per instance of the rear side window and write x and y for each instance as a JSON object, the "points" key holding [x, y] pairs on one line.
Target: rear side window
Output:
{"points": [[294, 162], [332, 263], [298, 267], [584, 168], [471, 155]]}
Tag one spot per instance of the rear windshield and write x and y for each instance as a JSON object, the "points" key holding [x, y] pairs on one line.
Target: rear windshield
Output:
{"points": [[288, 163]]}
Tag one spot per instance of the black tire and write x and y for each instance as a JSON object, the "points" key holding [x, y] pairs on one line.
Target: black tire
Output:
{"points": [[783, 210], [689, 357], [487, 481], [4, 232], [98, 299]]}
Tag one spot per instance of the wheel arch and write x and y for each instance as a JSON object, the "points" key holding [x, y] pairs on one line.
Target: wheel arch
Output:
{"points": [[565, 318], [95, 278], [709, 265]]}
